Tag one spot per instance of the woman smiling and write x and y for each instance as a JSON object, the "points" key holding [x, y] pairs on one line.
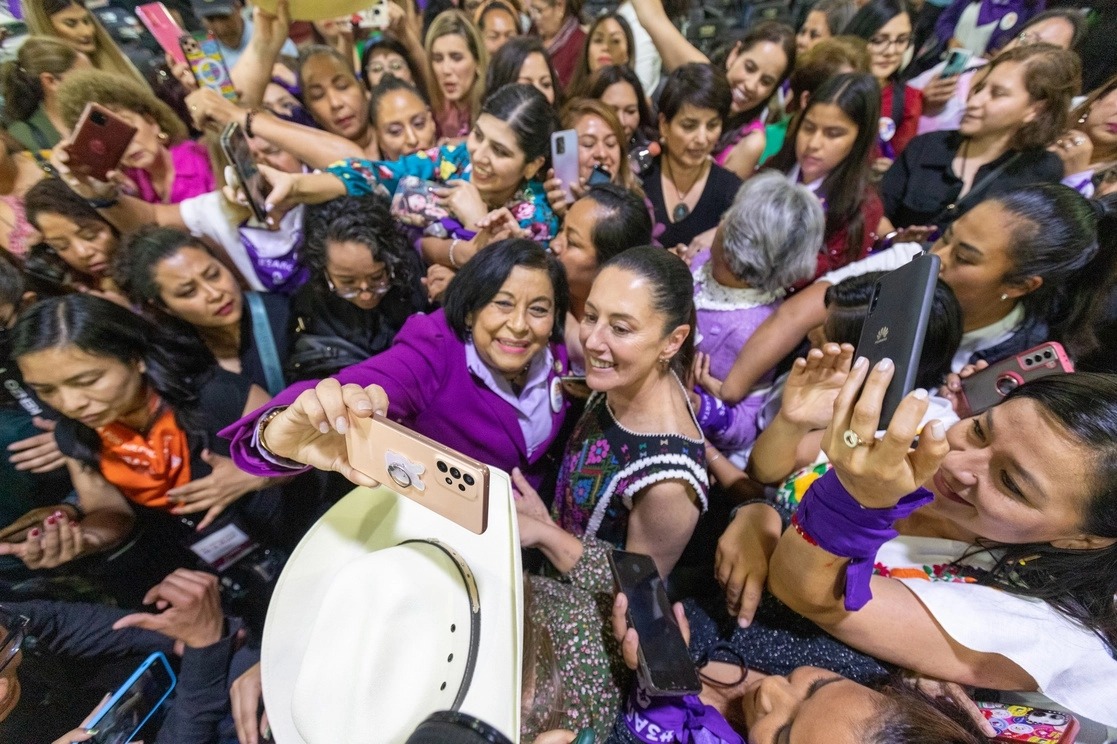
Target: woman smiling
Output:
{"points": [[495, 168], [481, 375]]}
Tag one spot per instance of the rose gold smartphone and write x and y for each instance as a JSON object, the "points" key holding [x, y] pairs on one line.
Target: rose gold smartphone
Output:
{"points": [[443, 480]]}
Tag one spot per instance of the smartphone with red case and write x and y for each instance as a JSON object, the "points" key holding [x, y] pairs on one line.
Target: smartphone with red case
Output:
{"points": [[988, 387], [442, 479], [1019, 723], [208, 64], [162, 25], [99, 141]]}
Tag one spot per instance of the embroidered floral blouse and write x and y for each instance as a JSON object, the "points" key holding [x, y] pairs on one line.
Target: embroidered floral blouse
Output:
{"points": [[528, 205], [605, 466]]}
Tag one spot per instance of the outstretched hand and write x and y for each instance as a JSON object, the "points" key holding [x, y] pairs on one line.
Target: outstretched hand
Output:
{"points": [[189, 609], [813, 385], [312, 429], [878, 473]]}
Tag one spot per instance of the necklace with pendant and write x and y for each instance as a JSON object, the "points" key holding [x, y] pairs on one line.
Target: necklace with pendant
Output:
{"points": [[681, 210]]}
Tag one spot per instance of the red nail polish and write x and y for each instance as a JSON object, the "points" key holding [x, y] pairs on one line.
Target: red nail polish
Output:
{"points": [[33, 533], [52, 519]]}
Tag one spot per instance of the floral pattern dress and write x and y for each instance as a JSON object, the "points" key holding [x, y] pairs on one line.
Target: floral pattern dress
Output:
{"points": [[404, 178], [605, 466]]}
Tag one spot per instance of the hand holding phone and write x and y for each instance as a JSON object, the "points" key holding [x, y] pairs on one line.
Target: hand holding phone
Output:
{"points": [[1023, 723], [99, 141], [664, 663], [162, 25], [442, 479], [956, 62], [986, 388], [564, 160], [234, 144], [208, 64], [896, 325], [133, 704]]}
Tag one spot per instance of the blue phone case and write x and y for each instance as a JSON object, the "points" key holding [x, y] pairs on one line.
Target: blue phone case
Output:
{"points": [[156, 658]]}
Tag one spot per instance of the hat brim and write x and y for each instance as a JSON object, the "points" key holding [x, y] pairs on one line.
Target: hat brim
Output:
{"points": [[318, 10], [363, 522]]}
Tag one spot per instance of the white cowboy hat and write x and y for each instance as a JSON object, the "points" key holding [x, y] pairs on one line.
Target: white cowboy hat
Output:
{"points": [[387, 612]]}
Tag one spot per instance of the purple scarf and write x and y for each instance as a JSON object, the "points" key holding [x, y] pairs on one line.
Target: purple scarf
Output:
{"points": [[686, 720]]}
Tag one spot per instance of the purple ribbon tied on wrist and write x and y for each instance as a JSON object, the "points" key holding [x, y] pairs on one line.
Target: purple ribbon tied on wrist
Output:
{"points": [[685, 720], [831, 517]]}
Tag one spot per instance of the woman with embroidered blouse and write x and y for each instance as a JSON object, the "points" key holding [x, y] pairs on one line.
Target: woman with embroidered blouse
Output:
{"points": [[634, 470], [494, 169]]}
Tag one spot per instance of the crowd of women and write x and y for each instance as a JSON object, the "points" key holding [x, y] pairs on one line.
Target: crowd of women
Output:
{"points": [[176, 366]]}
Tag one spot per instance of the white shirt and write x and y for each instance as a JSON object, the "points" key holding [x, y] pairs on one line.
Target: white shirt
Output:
{"points": [[987, 337], [211, 216]]}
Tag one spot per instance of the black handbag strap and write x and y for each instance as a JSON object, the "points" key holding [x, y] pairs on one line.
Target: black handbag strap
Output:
{"points": [[898, 103]]}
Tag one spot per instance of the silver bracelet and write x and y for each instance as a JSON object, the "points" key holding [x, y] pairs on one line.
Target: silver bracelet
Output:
{"points": [[453, 245]]}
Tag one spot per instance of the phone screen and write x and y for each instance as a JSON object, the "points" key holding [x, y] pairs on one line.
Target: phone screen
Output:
{"points": [[663, 651], [134, 703]]}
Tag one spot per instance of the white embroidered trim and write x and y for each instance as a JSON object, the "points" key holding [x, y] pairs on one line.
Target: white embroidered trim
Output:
{"points": [[696, 476], [711, 295]]}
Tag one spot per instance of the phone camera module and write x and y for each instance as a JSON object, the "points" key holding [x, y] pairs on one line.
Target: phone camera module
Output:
{"points": [[98, 118], [560, 146]]}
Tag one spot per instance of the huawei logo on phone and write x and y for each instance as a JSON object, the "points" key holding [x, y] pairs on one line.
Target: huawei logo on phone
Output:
{"points": [[882, 335]]}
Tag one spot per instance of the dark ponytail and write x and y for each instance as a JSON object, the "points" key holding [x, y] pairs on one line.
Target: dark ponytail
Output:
{"points": [[1067, 241]]}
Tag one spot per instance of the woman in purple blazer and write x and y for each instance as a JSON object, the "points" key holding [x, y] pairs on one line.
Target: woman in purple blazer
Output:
{"points": [[480, 376]]}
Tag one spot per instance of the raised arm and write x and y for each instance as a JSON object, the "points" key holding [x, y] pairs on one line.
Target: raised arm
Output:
{"points": [[315, 147], [822, 568], [774, 339], [807, 406], [253, 70], [661, 523], [672, 46]]}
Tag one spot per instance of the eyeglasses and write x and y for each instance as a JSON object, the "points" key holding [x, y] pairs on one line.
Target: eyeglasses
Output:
{"points": [[17, 632], [377, 286], [880, 43]]}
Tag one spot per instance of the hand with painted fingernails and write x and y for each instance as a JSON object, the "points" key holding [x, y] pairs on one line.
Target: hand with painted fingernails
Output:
{"points": [[880, 472], [312, 430]]}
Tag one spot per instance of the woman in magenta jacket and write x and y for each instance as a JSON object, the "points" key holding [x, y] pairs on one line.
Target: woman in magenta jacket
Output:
{"points": [[480, 376]]}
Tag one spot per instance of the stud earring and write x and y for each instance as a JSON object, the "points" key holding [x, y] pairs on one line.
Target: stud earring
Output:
{"points": [[163, 137], [1004, 297], [664, 361], [1085, 115]]}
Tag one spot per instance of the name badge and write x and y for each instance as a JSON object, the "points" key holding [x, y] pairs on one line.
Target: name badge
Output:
{"points": [[887, 129], [556, 394]]}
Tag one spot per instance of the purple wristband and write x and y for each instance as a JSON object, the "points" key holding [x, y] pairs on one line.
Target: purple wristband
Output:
{"points": [[831, 517], [713, 415]]}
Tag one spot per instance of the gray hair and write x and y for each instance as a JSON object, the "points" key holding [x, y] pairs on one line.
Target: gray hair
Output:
{"points": [[772, 233]]}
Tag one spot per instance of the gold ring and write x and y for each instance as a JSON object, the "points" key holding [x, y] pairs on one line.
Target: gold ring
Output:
{"points": [[852, 439]]}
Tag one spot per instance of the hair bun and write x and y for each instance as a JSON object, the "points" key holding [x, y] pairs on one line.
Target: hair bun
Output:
{"points": [[1105, 208]]}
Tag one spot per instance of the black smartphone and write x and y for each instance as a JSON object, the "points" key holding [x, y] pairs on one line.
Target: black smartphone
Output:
{"points": [[665, 665], [234, 144], [135, 702], [599, 175], [896, 325]]}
